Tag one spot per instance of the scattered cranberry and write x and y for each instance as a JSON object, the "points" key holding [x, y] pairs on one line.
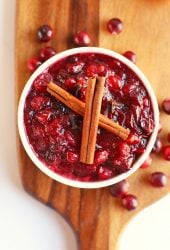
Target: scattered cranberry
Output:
{"points": [[157, 146], [166, 152], [130, 202], [115, 26], [166, 105], [33, 64], [147, 163], [119, 189], [70, 83], [168, 137], [130, 55], [44, 33], [47, 52], [114, 83], [158, 179], [72, 157], [82, 38]]}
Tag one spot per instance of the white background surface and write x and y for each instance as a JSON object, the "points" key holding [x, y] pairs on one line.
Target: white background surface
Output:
{"points": [[24, 222]]}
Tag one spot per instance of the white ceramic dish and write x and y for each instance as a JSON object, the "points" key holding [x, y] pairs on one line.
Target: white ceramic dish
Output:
{"points": [[64, 180]]}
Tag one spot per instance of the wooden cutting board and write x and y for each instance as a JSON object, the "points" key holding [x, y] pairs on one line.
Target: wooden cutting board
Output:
{"points": [[96, 217]]}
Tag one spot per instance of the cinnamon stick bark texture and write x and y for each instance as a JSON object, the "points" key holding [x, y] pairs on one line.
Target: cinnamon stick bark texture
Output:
{"points": [[87, 120], [79, 107]]}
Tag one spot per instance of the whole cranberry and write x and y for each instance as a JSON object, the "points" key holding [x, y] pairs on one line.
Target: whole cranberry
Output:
{"points": [[82, 38], [33, 63], [115, 26], [119, 189], [114, 83], [130, 55], [158, 179], [157, 146], [166, 105], [130, 202], [44, 33], [147, 162], [46, 53], [70, 83], [166, 152]]}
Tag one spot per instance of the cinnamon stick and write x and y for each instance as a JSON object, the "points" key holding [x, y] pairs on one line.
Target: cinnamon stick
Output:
{"points": [[79, 107], [87, 120]]}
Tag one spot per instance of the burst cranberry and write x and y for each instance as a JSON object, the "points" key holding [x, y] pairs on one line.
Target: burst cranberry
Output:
{"points": [[75, 68], [70, 138], [157, 146], [43, 116], [40, 84], [70, 83], [123, 149], [132, 139], [82, 38], [130, 202], [39, 102], [72, 157], [166, 152], [130, 55], [166, 105], [158, 179], [33, 64], [168, 137], [114, 83], [91, 70], [115, 26], [119, 189], [46, 53], [104, 173], [147, 162], [100, 157], [44, 33]]}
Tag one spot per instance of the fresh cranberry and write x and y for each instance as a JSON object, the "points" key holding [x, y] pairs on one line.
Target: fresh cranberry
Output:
{"points": [[39, 102], [132, 139], [147, 162], [72, 157], [70, 83], [168, 137], [157, 146], [158, 179], [130, 55], [130, 202], [166, 152], [75, 68], [33, 64], [44, 33], [82, 38], [46, 53], [119, 189], [166, 105], [101, 156], [91, 70], [115, 26], [114, 83], [104, 173]]}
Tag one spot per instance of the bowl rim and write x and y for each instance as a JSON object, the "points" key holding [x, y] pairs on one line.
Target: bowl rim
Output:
{"points": [[29, 149]]}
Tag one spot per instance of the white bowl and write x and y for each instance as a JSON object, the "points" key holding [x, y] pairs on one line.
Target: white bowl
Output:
{"points": [[64, 180]]}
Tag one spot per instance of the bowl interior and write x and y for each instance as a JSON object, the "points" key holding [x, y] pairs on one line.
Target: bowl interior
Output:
{"points": [[57, 177]]}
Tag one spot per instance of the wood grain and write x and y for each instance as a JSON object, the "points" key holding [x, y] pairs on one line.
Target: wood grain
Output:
{"points": [[96, 217]]}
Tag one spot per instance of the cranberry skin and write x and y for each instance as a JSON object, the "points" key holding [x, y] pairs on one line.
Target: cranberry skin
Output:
{"points": [[82, 38], [166, 152], [130, 55], [33, 64], [115, 26], [119, 189], [46, 53], [130, 202], [158, 179], [157, 146], [166, 106], [147, 163], [44, 33], [114, 83]]}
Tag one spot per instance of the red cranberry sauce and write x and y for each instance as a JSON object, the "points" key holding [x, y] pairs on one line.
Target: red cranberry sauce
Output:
{"points": [[54, 131]]}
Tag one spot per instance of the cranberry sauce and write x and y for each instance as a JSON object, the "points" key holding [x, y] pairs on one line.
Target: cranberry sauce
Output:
{"points": [[54, 131]]}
